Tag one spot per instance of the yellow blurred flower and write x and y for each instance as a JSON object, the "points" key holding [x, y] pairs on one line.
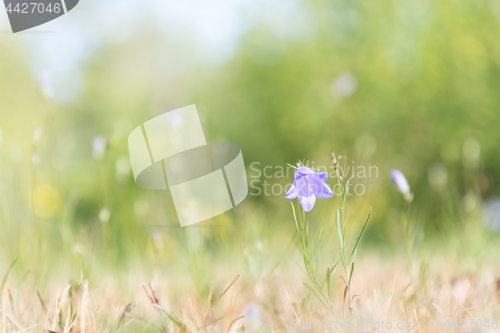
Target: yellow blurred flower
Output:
{"points": [[46, 201]]}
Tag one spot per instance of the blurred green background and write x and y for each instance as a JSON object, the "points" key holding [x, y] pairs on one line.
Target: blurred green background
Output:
{"points": [[405, 84]]}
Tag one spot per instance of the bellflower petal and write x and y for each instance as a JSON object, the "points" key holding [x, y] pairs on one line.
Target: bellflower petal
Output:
{"points": [[400, 181], [292, 193], [302, 172], [303, 187], [308, 186], [323, 176], [307, 203], [315, 183], [325, 192]]}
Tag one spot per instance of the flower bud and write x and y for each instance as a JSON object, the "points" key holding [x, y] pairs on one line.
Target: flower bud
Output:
{"points": [[401, 183], [491, 215]]}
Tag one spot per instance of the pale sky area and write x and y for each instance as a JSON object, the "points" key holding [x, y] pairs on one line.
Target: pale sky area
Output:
{"points": [[212, 28]]}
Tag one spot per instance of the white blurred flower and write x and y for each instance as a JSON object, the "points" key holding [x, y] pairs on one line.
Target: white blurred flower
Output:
{"points": [[175, 118], [79, 248], [104, 215], [345, 85], [37, 134], [35, 158], [99, 146], [491, 214], [254, 318], [438, 176], [45, 83], [122, 168], [258, 245], [156, 235]]}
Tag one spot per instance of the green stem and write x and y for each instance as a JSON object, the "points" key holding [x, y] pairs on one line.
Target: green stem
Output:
{"points": [[307, 254], [408, 237]]}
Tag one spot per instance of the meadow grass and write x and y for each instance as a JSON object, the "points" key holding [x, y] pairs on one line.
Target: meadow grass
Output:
{"points": [[92, 261], [260, 288]]}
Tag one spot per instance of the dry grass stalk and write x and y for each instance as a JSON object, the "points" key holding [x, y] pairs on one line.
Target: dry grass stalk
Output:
{"points": [[61, 300]]}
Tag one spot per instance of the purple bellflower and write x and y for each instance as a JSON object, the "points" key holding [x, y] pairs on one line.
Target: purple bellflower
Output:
{"points": [[491, 214], [308, 186], [401, 183]]}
